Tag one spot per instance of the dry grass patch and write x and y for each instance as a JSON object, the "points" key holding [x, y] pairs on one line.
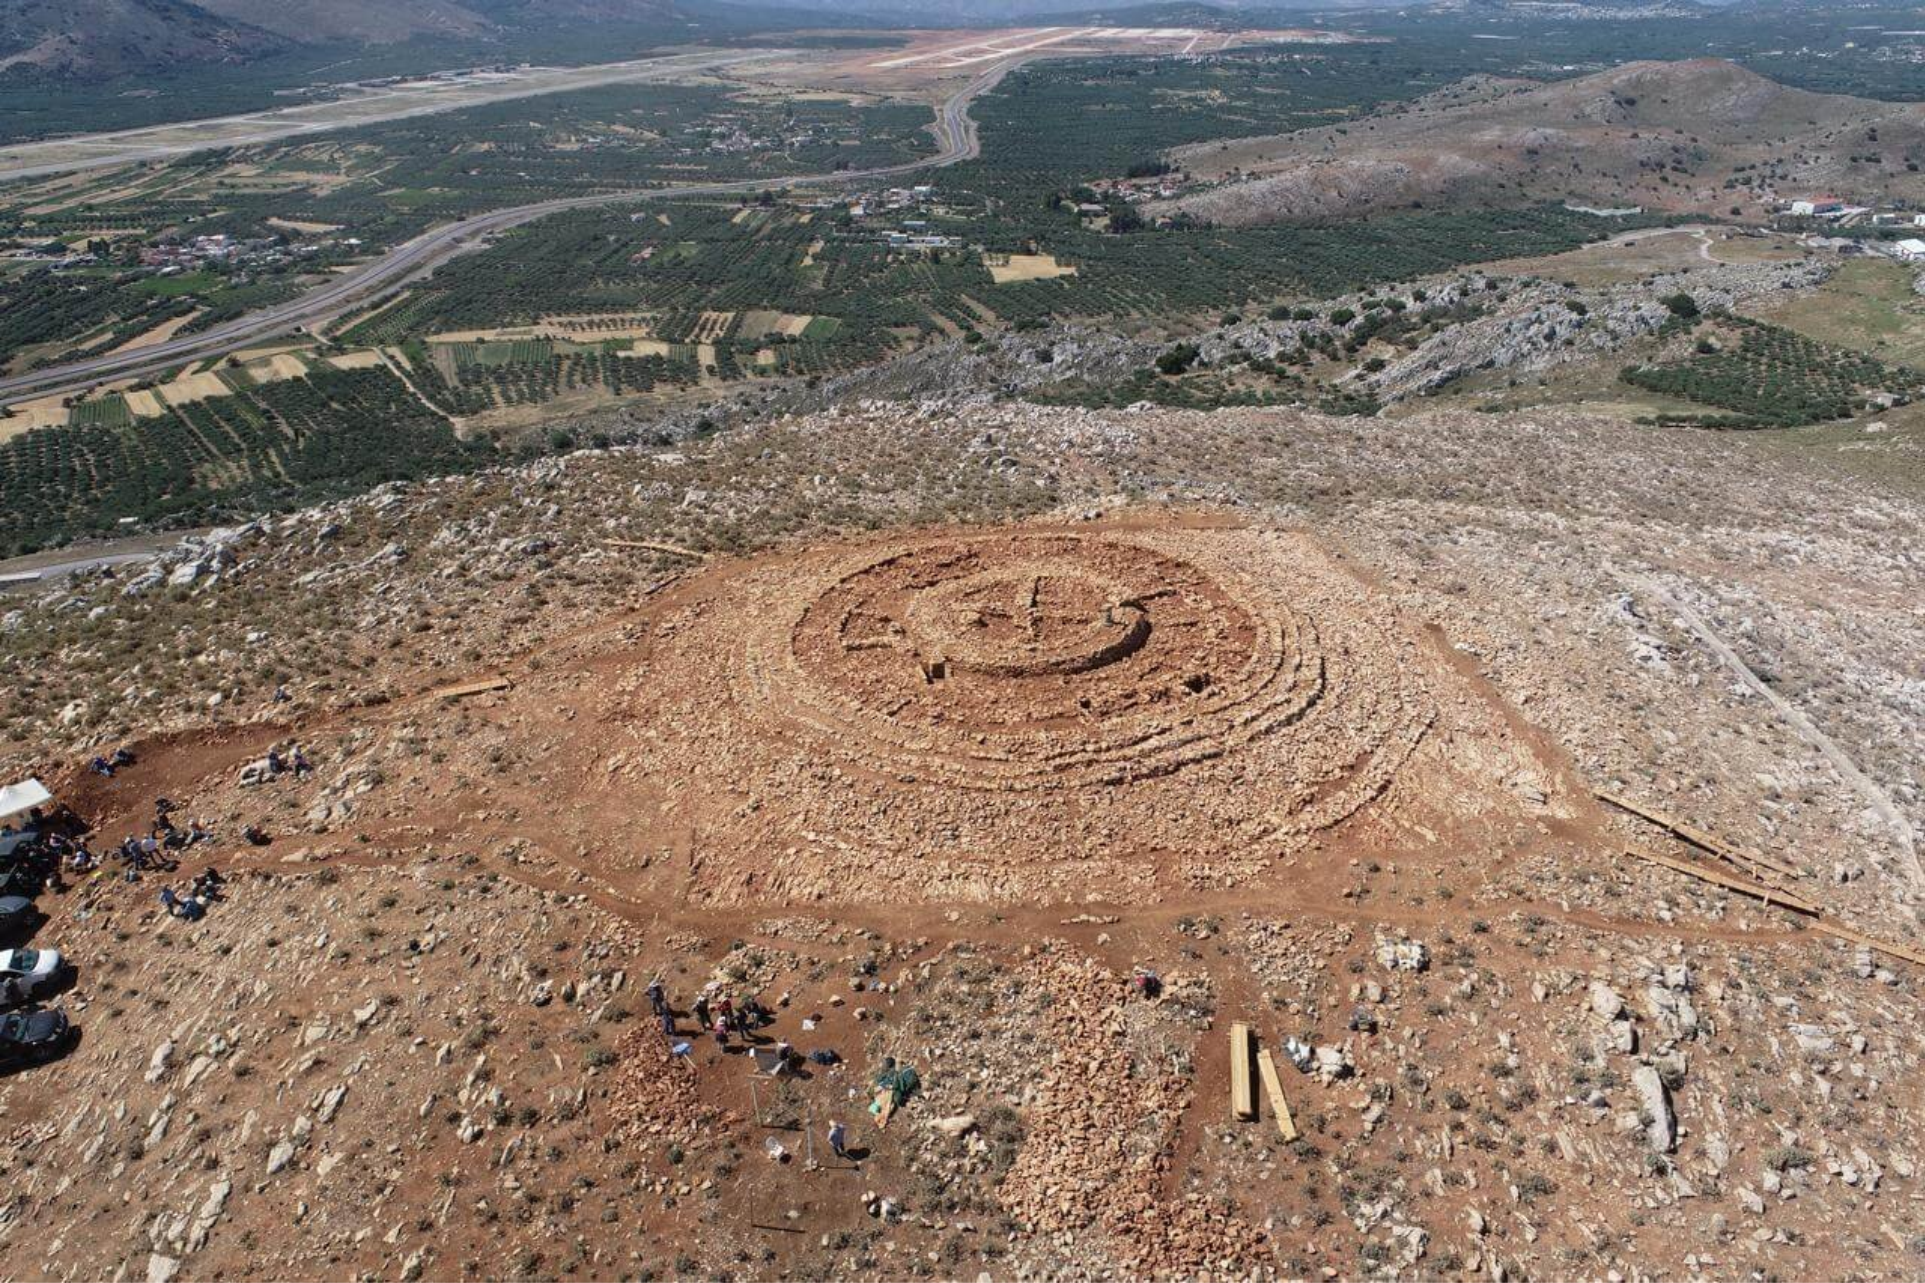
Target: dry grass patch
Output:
{"points": [[1005, 269]]}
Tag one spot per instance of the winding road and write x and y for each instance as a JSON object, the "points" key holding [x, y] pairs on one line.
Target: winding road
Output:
{"points": [[383, 277]]}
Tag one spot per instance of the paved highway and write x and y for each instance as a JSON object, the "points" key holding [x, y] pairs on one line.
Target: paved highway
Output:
{"points": [[385, 276]]}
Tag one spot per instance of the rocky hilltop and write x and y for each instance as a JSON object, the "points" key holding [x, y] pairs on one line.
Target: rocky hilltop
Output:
{"points": [[411, 1036], [1687, 136]]}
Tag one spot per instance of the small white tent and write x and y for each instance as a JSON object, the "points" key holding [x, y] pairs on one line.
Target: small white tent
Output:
{"points": [[17, 799]]}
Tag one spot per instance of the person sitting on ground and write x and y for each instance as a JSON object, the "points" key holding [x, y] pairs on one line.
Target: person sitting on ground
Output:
{"points": [[255, 835], [299, 762], [188, 907], [275, 765], [197, 832], [101, 766], [122, 757], [209, 884]]}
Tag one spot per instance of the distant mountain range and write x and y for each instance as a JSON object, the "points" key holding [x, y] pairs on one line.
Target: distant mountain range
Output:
{"points": [[81, 41], [100, 39]]}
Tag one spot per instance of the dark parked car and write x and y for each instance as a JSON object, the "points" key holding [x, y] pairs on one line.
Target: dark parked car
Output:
{"points": [[28, 1037], [16, 911]]}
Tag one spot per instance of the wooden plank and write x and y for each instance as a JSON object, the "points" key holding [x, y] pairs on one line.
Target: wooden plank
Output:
{"points": [[673, 550], [1886, 947], [1770, 895], [1243, 1098], [472, 688], [1697, 837], [1273, 1088], [1778, 896]]}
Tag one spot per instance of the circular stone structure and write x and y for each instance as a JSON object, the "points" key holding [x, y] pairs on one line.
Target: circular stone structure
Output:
{"points": [[1011, 661], [1035, 620], [1022, 712]]}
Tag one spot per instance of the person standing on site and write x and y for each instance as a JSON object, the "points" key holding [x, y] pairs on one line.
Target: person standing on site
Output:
{"points": [[838, 1139]]}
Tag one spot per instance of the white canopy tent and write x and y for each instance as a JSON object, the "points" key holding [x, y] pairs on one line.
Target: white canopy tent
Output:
{"points": [[17, 799]]}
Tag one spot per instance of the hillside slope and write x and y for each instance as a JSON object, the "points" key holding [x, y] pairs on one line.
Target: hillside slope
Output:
{"points": [[1689, 136], [358, 21], [92, 39]]}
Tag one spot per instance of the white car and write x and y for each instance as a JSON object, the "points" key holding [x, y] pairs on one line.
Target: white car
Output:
{"points": [[30, 964]]}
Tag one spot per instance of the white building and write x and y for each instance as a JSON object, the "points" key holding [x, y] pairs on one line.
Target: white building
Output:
{"points": [[1816, 205], [1909, 251]]}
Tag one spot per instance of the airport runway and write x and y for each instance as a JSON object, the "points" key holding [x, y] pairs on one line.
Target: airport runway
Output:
{"points": [[369, 283]]}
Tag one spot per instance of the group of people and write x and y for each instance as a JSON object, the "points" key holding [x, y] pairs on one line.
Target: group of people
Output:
{"points": [[157, 850], [35, 853], [208, 886], [106, 765], [294, 760], [722, 1017], [715, 1013]]}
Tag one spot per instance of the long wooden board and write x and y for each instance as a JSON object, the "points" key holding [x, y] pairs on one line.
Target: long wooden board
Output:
{"points": [[649, 545], [1778, 896], [1273, 1088], [1886, 947], [1243, 1097], [1697, 837], [1718, 877], [472, 688]]}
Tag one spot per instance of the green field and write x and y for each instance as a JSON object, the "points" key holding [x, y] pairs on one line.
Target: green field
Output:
{"points": [[1868, 304], [333, 432], [1766, 376], [380, 184], [178, 286]]}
